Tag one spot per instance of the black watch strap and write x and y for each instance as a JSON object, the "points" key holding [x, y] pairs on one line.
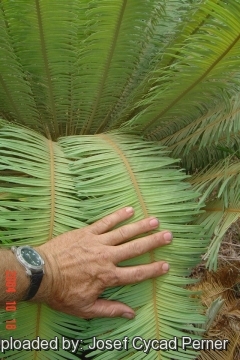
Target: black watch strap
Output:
{"points": [[35, 281]]}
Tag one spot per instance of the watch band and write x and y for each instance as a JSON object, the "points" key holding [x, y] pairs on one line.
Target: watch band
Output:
{"points": [[35, 272], [35, 281]]}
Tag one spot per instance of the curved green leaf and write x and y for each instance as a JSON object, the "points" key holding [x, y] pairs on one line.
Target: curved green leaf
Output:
{"points": [[116, 170]]}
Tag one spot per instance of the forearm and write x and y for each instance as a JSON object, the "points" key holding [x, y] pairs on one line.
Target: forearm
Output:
{"points": [[14, 283]]}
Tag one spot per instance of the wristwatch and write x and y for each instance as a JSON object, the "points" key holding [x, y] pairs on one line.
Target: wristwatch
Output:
{"points": [[33, 263]]}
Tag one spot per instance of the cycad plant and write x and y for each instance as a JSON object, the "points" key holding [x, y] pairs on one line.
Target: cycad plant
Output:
{"points": [[102, 105]]}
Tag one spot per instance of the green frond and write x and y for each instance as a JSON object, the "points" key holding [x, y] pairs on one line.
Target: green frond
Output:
{"points": [[198, 159], [181, 19], [15, 90], [222, 208], [37, 197], [217, 220], [45, 40], [220, 178], [75, 60], [87, 177], [198, 141], [92, 75], [112, 171], [37, 202], [206, 62], [123, 59], [48, 188], [191, 18], [162, 28]]}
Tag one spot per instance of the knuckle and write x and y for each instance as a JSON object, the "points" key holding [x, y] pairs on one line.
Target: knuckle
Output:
{"points": [[104, 257], [109, 278], [107, 221], [114, 278], [138, 274], [156, 237], [136, 248], [112, 313], [145, 225], [123, 233]]}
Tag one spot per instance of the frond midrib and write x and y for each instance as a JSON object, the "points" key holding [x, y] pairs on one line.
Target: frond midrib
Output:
{"points": [[107, 67], [226, 210], [52, 180], [145, 213], [228, 172], [46, 65], [199, 130], [194, 148]]}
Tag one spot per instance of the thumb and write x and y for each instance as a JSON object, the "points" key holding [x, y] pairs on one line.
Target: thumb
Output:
{"points": [[109, 308]]}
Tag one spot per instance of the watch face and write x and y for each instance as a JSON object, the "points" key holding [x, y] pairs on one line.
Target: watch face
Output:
{"points": [[31, 256]]}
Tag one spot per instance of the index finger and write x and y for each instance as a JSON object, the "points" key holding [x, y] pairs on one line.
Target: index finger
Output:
{"points": [[109, 221]]}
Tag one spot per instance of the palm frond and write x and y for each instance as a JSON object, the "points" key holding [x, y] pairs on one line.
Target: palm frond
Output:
{"points": [[198, 141], [190, 20], [223, 207], [112, 171], [206, 62], [44, 38], [35, 183], [162, 27], [75, 60], [37, 202], [14, 86], [180, 19], [116, 76]]}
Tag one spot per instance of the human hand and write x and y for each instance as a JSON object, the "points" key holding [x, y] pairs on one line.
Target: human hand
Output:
{"points": [[82, 263]]}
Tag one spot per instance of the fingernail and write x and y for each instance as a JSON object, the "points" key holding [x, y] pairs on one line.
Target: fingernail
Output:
{"points": [[168, 237], [128, 315], [154, 222], [129, 210], [165, 267]]}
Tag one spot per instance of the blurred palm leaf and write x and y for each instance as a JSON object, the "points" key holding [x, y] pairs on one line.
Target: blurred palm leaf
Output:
{"points": [[220, 185], [206, 138]]}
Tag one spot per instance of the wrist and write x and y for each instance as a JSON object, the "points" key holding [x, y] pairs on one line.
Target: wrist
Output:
{"points": [[44, 291], [32, 274]]}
